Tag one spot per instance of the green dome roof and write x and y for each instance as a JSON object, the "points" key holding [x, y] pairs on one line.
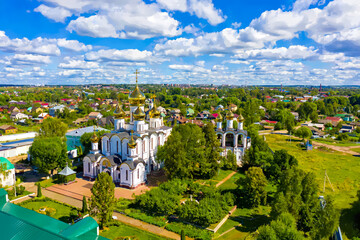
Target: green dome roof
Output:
{"points": [[9, 165]]}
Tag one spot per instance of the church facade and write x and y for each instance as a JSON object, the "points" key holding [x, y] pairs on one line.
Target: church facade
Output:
{"points": [[233, 138], [128, 153]]}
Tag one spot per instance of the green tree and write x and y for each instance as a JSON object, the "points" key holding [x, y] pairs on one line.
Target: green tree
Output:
{"points": [[281, 161], [52, 127], [84, 205], [183, 234], [229, 162], [102, 201], [209, 168], [48, 154], [39, 194], [254, 186], [284, 227], [326, 220], [183, 153], [303, 132]]}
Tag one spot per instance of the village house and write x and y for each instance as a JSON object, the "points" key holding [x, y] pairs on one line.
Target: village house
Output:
{"points": [[95, 116], [18, 116], [8, 129]]}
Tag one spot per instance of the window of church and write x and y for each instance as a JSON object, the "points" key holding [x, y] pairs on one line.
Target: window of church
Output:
{"points": [[144, 149], [127, 175], [117, 147], [107, 146], [88, 167], [159, 141], [138, 173], [152, 143]]}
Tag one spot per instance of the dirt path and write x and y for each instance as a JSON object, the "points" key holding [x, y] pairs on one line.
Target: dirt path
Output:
{"points": [[225, 179], [338, 148]]}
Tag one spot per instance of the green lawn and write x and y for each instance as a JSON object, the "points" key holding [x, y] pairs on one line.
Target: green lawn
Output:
{"points": [[244, 221], [343, 170], [122, 231], [230, 184], [62, 211], [215, 180], [47, 183]]}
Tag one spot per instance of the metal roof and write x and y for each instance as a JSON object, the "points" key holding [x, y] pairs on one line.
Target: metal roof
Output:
{"points": [[67, 171], [9, 165], [20, 223]]}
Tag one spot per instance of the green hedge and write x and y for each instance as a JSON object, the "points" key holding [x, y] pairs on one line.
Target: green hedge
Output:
{"points": [[66, 179], [158, 221], [190, 231]]}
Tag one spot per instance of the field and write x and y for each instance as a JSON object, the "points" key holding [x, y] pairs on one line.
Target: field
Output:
{"points": [[343, 170], [336, 142]]}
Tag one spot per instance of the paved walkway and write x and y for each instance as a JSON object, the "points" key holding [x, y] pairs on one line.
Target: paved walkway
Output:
{"points": [[146, 226], [338, 148], [225, 179], [82, 187]]}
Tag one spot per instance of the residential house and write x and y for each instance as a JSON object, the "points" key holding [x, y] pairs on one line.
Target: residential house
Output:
{"points": [[175, 111], [53, 110], [13, 109], [233, 107], [95, 116], [106, 121], [296, 115], [334, 120], [189, 112], [8, 129], [18, 116], [36, 110], [44, 115], [219, 107], [346, 128], [346, 117]]}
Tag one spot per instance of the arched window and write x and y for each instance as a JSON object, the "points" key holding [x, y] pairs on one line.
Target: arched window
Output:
{"points": [[117, 147], [159, 141], [138, 173], [152, 143], [127, 175], [144, 146], [107, 145], [88, 167]]}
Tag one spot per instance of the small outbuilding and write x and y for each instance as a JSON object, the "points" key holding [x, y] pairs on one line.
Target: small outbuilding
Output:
{"points": [[67, 175]]}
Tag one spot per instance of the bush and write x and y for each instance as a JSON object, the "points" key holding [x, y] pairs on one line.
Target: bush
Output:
{"points": [[189, 230], [158, 221]]}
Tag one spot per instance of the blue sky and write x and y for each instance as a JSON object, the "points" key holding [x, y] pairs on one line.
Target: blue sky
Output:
{"points": [[253, 42]]}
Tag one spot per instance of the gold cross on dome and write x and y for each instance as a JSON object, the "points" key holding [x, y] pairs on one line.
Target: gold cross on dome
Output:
{"points": [[136, 74]]}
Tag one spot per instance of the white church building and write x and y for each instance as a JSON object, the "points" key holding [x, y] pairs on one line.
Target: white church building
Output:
{"points": [[128, 153], [233, 139]]}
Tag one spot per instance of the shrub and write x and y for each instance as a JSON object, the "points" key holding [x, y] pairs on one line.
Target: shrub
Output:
{"points": [[189, 230], [158, 221]]}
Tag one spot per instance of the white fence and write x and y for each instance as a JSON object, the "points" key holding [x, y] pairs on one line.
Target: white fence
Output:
{"points": [[12, 137]]}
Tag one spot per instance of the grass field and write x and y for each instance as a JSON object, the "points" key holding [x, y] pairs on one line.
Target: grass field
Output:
{"points": [[62, 213], [343, 170], [122, 231]]}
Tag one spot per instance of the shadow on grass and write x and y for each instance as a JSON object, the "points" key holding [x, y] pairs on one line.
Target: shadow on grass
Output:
{"points": [[350, 219], [251, 223]]}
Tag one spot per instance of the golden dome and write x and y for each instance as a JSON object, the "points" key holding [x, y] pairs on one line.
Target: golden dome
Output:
{"points": [[154, 113], [230, 115], [132, 143], [139, 114], [219, 118], [119, 112], [241, 118], [94, 138], [137, 96]]}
